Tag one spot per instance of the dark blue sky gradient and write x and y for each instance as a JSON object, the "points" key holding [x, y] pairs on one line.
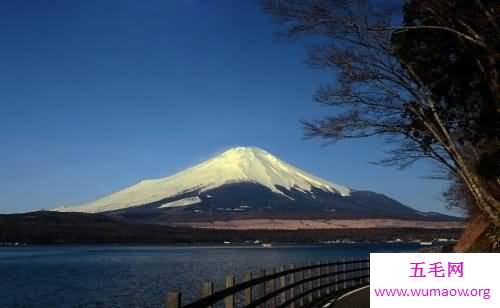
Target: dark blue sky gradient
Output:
{"points": [[97, 95]]}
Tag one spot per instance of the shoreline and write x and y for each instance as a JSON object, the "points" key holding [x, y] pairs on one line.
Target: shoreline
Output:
{"points": [[318, 224]]}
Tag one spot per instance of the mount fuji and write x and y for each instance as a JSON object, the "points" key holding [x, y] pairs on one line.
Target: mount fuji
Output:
{"points": [[246, 183]]}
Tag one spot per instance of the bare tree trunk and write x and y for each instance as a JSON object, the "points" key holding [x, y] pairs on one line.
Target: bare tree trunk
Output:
{"points": [[485, 201], [378, 84], [473, 231], [479, 222]]}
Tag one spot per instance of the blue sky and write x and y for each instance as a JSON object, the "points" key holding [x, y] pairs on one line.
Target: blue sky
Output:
{"points": [[97, 95]]}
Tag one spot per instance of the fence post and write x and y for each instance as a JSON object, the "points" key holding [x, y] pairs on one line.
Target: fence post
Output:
{"points": [[207, 289], [248, 291], [229, 300], [344, 275], [282, 284], [270, 288], [361, 271], [173, 300], [336, 268], [319, 280], [368, 271], [261, 288], [292, 290], [332, 277], [301, 286], [328, 279], [352, 281], [310, 283], [351, 275]]}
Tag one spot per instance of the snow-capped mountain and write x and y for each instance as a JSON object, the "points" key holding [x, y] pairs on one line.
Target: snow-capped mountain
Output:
{"points": [[240, 164], [243, 182]]}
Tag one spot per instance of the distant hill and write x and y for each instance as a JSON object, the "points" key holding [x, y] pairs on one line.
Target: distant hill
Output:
{"points": [[70, 228]]}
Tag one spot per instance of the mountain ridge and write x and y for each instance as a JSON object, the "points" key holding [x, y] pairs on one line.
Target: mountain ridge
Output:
{"points": [[246, 183], [238, 164]]}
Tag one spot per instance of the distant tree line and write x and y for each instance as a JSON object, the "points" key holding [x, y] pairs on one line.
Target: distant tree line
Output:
{"points": [[424, 75], [81, 228]]}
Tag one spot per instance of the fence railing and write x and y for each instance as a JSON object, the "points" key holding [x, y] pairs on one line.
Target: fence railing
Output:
{"points": [[291, 286]]}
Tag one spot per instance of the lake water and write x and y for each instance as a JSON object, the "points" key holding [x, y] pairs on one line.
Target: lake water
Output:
{"points": [[140, 276]]}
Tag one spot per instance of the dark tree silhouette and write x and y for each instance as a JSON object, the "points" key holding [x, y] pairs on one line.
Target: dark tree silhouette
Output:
{"points": [[385, 87], [462, 79]]}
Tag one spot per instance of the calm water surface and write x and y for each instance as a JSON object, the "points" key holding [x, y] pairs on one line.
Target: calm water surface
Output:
{"points": [[140, 276]]}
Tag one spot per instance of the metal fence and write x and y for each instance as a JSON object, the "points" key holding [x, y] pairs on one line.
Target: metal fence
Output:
{"points": [[291, 286]]}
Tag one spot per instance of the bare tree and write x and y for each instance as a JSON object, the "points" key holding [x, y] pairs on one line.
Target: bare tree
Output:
{"points": [[376, 93]]}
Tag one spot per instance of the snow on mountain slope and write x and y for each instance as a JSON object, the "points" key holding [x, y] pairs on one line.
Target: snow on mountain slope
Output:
{"points": [[240, 164], [182, 202]]}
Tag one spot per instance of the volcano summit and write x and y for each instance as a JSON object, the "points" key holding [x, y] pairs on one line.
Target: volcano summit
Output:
{"points": [[246, 183]]}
